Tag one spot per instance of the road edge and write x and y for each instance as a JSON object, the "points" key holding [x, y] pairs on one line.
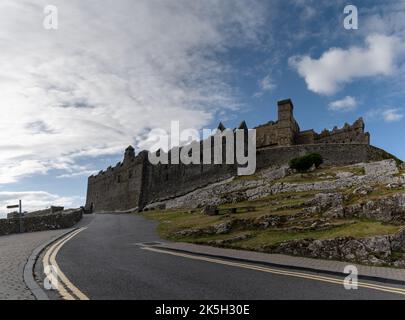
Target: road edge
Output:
{"points": [[284, 266], [28, 274]]}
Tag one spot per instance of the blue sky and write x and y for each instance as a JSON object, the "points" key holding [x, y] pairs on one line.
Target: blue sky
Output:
{"points": [[75, 97]]}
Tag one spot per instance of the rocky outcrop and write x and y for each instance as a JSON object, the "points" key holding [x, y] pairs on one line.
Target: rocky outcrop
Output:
{"points": [[381, 168], [265, 183], [372, 250], [386, 209], [317, 201]]}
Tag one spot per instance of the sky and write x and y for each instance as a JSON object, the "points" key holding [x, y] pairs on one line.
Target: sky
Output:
{"points": [[73, 98]]}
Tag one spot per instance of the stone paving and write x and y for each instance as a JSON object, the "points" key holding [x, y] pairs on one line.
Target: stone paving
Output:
{"points": [[289, 261], [14, 252]]}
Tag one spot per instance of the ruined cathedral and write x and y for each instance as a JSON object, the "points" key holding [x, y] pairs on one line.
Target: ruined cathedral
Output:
{"points": [[135, 182]]}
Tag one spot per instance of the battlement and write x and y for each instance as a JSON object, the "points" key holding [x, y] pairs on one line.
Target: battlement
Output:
{"points": [[348, 134]]}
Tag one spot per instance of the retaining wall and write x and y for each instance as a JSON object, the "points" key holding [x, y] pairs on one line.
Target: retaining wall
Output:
{"points": [[40, 223]]}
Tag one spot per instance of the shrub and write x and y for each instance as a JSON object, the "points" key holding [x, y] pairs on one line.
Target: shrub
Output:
{"points": [[304, 163]]}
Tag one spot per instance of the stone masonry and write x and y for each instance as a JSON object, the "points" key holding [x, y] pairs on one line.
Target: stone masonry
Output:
{"points": [[134, 183]]}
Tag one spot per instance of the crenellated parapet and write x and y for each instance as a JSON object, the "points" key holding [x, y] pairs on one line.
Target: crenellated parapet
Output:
{"points": [[348, 134]]}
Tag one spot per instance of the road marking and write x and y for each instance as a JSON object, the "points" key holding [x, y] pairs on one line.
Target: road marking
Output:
{"points": [[278, 271], [66, 288]]}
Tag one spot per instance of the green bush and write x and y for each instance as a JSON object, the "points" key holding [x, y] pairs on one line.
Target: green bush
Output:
{"points": [[304, 163]]}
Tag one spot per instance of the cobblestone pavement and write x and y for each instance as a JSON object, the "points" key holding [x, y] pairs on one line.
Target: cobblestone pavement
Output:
{"points": [[14, 252]]}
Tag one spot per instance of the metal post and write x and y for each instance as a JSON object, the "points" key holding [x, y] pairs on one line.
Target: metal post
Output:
{"points": [[20, 216]]}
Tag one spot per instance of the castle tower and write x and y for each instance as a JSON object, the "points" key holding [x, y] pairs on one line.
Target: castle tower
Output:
{"points": [[287, 126], [129, 154], [285, 110]]}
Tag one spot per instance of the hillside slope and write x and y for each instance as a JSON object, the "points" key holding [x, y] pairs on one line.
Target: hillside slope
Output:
{"points": [[354, 213]]}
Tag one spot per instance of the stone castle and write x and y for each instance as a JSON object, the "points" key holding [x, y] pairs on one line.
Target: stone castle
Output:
{"points": [[135, 182]]}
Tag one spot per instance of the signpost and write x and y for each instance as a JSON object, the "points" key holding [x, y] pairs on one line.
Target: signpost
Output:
{"points": [[19, 206]]}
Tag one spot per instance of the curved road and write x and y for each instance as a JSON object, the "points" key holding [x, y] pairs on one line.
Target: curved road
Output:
{"points": [[105, 262]]}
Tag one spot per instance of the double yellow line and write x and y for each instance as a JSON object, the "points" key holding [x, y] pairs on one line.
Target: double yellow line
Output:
{"points": [[279, 271], [66, 289], [69, 291]]}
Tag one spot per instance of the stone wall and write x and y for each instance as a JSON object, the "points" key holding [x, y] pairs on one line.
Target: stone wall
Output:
{"points": [[119, 187], [153, 183], [135, 182], [52, 209], [40, 223], [333, 154], [348, 134]]}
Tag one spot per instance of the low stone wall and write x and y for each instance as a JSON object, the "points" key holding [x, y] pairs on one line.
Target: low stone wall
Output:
{"points": [[60, 220], [52, 209]]}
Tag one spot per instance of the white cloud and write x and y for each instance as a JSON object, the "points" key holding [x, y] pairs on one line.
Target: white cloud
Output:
{"points": [[266, 84], [392, 115], [388, 114], [110, 73], [337, 67], [346, 104], [34, 200]]}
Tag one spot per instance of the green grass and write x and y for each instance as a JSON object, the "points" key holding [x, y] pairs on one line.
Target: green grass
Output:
{"points": [[263, 238], [172, 221], [252, 177], [378, 192]]}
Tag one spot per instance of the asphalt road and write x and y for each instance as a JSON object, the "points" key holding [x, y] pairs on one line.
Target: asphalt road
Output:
{"points": [[105, 262]]}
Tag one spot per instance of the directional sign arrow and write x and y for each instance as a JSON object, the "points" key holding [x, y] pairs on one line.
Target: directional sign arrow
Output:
{"points": [[13, 206]]}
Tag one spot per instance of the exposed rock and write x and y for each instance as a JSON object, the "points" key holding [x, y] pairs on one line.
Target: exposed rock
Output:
{"points": [[398, 241], [191, 232], [324, 201], [233, 190], [210, 210], [365, 250], [378, 245], [336, 213], [380, 168], [363, 190], [394, 185], [344, 174], [223, 228], [387, 209], [276, 173], [229, 240]]}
